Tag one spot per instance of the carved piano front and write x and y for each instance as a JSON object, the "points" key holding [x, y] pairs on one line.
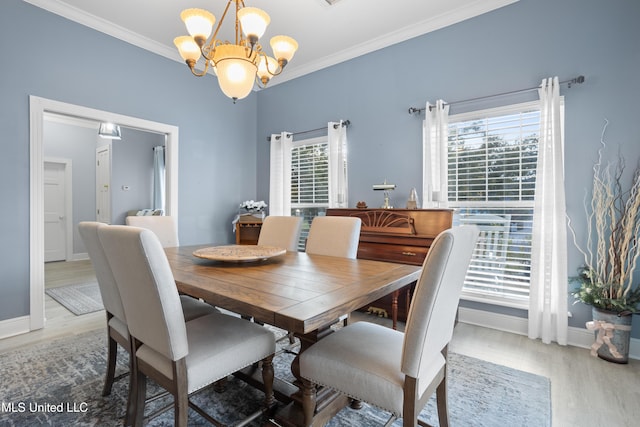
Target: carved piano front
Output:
{"points": [[397, 235]]}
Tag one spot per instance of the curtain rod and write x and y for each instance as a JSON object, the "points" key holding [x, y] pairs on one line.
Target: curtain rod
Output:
{"points": [[576, 80], [345, 123]]}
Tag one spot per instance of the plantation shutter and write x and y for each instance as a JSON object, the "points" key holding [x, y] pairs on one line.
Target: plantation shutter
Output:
{"points": [[491, 181], [309, 181]]}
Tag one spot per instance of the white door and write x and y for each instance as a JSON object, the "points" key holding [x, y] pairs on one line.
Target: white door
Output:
{"points": [[103, 184], [55, 215]]}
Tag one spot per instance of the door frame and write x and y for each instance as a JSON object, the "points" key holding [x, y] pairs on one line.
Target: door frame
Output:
{"points": [[68, 202], [37, 108]]}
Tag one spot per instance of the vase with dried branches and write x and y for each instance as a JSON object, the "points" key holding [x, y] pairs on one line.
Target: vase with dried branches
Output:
{"points": [[606, 280]]}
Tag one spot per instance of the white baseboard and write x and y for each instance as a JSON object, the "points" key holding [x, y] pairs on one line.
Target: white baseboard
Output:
{"points": [[15, 326], [577, 337], [79, 257]]}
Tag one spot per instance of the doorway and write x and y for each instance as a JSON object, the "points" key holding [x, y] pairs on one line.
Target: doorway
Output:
{"points": [[37, 109], [57, 209]]}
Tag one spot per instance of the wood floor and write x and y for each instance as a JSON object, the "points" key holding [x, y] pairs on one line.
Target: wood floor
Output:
{"points": [[585, 391]]}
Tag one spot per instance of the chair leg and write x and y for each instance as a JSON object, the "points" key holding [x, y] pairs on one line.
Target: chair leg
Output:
{"points": [[308, 401], [130, 413], [267, 379], [138, 398], [441, 401], [410, 410], [112, 353], [181, 398]]}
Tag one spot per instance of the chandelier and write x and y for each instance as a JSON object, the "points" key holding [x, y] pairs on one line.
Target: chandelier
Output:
{"points": [[237, 65]]}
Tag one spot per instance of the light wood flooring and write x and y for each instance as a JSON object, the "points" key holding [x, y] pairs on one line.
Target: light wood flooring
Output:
{"points": [[585, 391]]}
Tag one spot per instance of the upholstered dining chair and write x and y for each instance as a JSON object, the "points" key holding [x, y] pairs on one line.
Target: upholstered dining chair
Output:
{"points": [[117, 332], [164, 227], [397, 371], [334, 236], [182, 357], [281, 231]]}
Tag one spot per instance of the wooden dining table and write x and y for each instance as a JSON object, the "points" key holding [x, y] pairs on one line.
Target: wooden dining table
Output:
{"points": [[300, 293]]}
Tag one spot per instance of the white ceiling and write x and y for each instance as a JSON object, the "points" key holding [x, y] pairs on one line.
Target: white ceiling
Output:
{"points": [[327, 34]]}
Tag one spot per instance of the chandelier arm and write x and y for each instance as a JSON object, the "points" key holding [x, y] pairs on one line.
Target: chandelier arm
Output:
{"points": [[259, 82], [277, 72], [226, 9], [237, 24], [208, 50], [192, 66]]}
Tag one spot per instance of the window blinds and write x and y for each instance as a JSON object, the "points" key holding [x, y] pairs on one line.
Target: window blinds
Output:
{"points": [[491, 180]]}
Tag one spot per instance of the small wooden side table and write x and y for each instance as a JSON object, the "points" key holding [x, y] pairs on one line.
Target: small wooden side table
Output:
{"points": [[248, 230]]}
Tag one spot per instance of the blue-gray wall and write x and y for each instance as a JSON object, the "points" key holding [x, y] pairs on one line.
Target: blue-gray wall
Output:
{"points": [[51, 57], [511, 48]]}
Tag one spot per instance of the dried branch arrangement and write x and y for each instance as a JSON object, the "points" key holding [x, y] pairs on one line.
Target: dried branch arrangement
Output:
{"points": [[613, 228]]}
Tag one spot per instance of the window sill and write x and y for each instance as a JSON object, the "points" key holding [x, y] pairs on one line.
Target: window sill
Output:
{"points": [[522, 304]]}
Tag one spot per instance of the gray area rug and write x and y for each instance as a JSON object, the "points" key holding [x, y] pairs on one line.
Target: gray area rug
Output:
{"points": [[79, 299], [68, 374]]}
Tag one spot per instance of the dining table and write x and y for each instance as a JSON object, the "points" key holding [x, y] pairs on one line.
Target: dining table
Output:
{"points": [[297, 292]]}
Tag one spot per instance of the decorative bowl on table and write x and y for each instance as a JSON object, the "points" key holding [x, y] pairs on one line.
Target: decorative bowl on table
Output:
{"points": [[239, 253]]}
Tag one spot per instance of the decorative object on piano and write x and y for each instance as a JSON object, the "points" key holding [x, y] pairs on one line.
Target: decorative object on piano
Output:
{"points": [[361, 205], [412, 203], [386, 188]]}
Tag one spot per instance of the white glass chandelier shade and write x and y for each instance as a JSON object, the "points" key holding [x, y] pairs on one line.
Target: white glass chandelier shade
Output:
{"points": [[189, 50], [254, 22], [239, 64], [266, 67], [284, 47], [199, 23], [236, 73]]}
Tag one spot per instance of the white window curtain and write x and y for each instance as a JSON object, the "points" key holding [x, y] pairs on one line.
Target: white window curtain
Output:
{"points": [[280, 174], [159, 178], [434, 164], [338, 184], [548, 317]]}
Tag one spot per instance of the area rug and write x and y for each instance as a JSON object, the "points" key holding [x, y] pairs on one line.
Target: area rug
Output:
{"points": [[79, 299], [59, 383]]}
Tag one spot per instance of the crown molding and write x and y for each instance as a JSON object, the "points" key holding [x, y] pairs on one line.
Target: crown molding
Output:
{"points": [[434, 23]]}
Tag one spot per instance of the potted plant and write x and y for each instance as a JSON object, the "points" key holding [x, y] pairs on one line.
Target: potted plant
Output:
{"points": [[611, 254]]}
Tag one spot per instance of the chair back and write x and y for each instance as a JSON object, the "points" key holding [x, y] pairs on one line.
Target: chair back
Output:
{"points": [[164, 227], [334, 236], [281, 231], [106, 282], [429, 326], [146, 284]]}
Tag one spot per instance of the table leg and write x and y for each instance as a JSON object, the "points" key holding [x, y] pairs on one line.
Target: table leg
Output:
{"points": [[394, 308], [310, 405]]}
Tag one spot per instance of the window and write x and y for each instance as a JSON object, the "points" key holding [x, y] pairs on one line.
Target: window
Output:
{"points": [[492, 159], [309, 181]]}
